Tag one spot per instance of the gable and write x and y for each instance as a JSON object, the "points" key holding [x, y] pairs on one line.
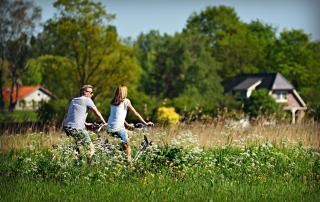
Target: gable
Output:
{"points": [[280, 83], [269, 81]]}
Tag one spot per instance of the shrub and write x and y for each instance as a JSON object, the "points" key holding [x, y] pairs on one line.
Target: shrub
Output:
{"points": [[167, 115], [315, 112], [54, 110], [261, 103]]}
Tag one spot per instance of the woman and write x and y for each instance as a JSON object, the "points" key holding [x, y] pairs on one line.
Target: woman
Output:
{"points": [[116, 122]]}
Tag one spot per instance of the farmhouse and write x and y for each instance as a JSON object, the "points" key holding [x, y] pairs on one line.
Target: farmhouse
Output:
{"points": [[283, 92], [28, 97]]}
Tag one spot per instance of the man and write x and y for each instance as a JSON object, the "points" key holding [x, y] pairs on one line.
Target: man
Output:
{"points": [[75, 122]]}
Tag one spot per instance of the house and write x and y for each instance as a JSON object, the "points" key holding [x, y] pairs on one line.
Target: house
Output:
{"points": [[283, 91], [28, 97]]}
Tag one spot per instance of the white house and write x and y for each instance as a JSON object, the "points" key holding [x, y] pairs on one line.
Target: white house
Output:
{"points": [[28, 97], [279, 88]]}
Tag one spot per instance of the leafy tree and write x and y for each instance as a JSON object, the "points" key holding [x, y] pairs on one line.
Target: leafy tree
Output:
{"points": [[262, 38], [58, 75], [146, 48], [298, 59], [83, 49], [215, 22], [261, 103], [238, 46], [17, 20], [180, 68], [32, 74]]}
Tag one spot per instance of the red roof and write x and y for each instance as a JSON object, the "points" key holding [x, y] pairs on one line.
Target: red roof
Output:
{"points": [[23, 92]]}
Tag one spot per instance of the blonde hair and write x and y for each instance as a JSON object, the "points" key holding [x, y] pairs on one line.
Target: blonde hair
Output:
{"points": [[119, 95], [84, 89]]}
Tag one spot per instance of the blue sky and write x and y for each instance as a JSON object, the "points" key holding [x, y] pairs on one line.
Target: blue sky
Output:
{"points": [[170, 16]]}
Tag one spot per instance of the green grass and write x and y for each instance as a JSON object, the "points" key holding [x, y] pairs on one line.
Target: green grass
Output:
{"points": [[257, 173], [24, 189], [33, 171]]}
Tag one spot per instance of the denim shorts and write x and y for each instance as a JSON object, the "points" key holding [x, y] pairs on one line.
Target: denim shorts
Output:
{"points": [[121, 134]]}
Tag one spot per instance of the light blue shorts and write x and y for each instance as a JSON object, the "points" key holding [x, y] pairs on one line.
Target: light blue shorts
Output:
{"points": [[121, 134]]}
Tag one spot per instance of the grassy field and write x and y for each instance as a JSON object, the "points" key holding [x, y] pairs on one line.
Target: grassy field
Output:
{"points": [[189, 163], [156, 190]]}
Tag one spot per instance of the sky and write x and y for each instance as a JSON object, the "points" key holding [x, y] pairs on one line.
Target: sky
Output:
{"points": [[170, 16]]}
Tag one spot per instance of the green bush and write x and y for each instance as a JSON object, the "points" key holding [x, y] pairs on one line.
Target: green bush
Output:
{"points": [[315, 112], [261, 103], [53, 111]]}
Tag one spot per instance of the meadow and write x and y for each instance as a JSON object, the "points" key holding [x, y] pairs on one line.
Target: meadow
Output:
{"points": [[194, 162]]}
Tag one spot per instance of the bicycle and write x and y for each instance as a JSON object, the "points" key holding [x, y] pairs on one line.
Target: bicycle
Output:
{"points": [[144, 144], [106, 145]]}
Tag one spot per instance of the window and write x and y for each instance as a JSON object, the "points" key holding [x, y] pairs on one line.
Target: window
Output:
{"points": [[281, 95]]}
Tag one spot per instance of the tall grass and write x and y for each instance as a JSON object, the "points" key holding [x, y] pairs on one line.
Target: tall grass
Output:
{"points": [[206, 136]]}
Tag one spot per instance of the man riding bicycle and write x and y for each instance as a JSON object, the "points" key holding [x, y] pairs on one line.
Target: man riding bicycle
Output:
{"points": [[75, 122]]}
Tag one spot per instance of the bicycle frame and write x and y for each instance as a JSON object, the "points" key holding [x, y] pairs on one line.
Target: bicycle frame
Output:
{"points": [[143, 147]]}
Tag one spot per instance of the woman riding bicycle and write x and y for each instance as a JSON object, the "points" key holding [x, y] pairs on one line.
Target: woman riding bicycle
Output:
{"points": [[116, 122]]}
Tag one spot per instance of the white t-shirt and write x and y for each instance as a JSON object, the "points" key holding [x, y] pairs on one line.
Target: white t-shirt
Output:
{"points": [[117, 116], [77, 112]]}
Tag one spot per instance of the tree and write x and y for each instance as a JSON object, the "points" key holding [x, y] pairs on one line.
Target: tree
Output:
{"points": [[180, 67], [261, 103], [297, 58], [17, 55], [146, 48], [17, 20], [78, 42], [238, 46], [215, 22], [32, 74]]}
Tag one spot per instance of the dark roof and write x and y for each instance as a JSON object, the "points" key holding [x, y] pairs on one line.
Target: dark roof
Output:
{"points": [[270, 81], [246, 83]]}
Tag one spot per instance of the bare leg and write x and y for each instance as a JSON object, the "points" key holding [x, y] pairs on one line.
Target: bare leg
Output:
{"points": [[129, 134], [90, 153], [91, 150], [128, 150]]}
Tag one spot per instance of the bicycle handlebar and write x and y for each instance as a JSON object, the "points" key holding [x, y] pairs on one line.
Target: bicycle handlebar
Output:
{"points": [[140, 125], [98, 126]]}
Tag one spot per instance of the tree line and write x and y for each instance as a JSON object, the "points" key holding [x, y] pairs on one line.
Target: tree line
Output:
{"points": [[186, 70]]}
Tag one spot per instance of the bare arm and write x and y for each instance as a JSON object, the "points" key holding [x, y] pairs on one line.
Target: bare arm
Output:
{"points": [[128, 125], [132, 109], [98, 114]]}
